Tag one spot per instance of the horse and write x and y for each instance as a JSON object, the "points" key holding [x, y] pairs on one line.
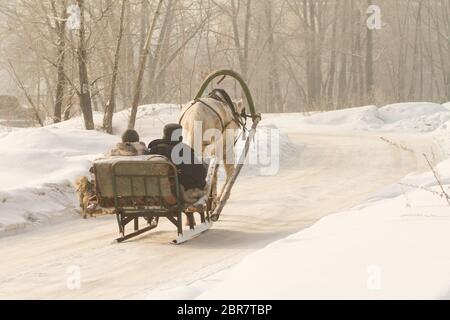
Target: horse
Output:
{"points": [[211, 126]]}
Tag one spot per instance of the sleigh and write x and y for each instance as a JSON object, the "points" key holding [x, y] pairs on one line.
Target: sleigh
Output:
{"points": [[144, 189]]}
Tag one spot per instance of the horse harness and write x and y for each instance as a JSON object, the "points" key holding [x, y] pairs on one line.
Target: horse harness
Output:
{"points": [[222, 96]]}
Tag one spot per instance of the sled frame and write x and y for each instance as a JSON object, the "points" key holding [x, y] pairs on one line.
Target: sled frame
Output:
{"points": [[132, 214]]}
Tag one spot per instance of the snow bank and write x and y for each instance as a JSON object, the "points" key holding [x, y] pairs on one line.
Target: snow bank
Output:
{"points": [[417, 117], [39, 167], [270, 151], [393, 246], [4, 130], [362, 118]]}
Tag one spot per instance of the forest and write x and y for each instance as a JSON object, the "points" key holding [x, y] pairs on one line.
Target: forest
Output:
{"points": [[68, 58]]}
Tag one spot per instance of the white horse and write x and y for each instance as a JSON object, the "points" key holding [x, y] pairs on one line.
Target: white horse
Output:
{"points": [[211, 126]]}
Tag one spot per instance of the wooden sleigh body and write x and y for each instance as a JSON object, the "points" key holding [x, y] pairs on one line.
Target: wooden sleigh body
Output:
{"points": [[143, 189]]}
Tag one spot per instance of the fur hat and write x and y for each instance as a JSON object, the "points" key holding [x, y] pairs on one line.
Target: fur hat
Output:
{"points": [[170, 129], [130, 136]]}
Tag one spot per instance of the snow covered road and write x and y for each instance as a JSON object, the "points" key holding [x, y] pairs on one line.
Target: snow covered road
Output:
{"points": [[333, 171]]}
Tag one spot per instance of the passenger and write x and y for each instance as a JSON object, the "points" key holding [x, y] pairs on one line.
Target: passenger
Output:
{"points": [[130, 145], [192, 172]]}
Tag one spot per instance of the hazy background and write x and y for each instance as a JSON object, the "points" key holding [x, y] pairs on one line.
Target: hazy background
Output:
{"points": [[297, 55]]}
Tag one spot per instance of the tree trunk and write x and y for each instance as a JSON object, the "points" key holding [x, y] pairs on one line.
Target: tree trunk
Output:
{"points": [[111, 104], [141, 68], [416, 54], [332, 72], [85, 91], [156, 58], [248, 15], [342, 85], [61, 80], [275, 96], [370, 82]]}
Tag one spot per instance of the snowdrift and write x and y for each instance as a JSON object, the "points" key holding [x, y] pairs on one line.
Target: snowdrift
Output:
{"points": [[40, 166], [392, 246], [417, 117]]}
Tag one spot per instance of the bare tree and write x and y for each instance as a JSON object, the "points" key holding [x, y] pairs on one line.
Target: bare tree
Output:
{"points": [[27, 95], [370, 82], [85, 88], [111, 104], [297, 55], [60, 26], [141, 68]]}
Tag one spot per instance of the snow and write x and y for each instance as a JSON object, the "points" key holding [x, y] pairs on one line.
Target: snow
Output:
{"points": [[271, 150], [41, 165], [4, 129], [357, 118], [417, 117], [394, 247], [421, 117], [393, 244]]}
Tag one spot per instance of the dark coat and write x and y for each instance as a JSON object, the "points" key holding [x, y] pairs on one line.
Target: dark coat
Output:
{"points": [[191, 175]]}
